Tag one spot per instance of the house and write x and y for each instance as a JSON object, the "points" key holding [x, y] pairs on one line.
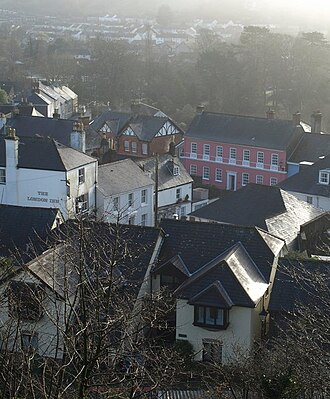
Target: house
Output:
{"points": [[269, 208], [137, 133], [229, 151], [41, 300], [314, 236], [221, 276], [174, 184], [34, 224], [66, 131], [125, 194], [41, 172], [311, 184]]}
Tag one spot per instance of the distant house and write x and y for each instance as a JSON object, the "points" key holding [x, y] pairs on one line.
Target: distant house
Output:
{"points": [[311, 184], [66, 131], [174, 185], [41, 172], [125, 194], [221, 276], [230, 151], [40, 301], [137, 133], [269, 208]]}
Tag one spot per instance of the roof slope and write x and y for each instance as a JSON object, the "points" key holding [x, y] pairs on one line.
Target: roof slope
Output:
{"points": [[232, 275], [21, 226], [307, 180], [198, 243], [58, 129], [122, 176], [166, 179], [45, 154], [245, 130], [267, 207], [311, 147]]}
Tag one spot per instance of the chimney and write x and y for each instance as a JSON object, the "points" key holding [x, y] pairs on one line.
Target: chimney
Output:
{"points": [[56, 115], [3, 120], [270, 113], [35, 86], [78, 137], [171, 149], [316, 122], [296, 117], [11, 143], [135, 107], [200, 108]]}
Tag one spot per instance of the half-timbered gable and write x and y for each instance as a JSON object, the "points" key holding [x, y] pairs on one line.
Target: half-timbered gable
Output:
{"points": [[168, 129]]}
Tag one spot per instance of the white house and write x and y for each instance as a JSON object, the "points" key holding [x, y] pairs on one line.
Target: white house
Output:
{"points": [[174, 185], [311, 184], [125, 194], [40, 172]]}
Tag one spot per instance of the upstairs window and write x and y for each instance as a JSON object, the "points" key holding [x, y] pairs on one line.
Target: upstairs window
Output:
{"points": [[324, 177], [193, 170], [143, 196], [232, 153], [130, 199], [178, 194], [206, 316], [219, 153], [82, 204], [193, 148], [246, 155], [25, 300], [206, 152], [116, 203], [176, 170], [81, 175], [134, 146], [144, 148], [274, 159], [126, 146], [2, 176]]}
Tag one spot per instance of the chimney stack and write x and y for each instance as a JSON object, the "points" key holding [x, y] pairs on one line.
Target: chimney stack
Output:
{"points": [[270, 113], [171, 149], [56, 115], [296, 117], [135, 107], [78, 137], [200, 108], [316, 122]]}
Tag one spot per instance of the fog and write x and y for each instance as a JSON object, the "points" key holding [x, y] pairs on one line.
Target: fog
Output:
{"points": [[310, 14]]}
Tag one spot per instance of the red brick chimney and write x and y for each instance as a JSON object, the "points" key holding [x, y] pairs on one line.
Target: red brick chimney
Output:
{"points": [[316, 122]]}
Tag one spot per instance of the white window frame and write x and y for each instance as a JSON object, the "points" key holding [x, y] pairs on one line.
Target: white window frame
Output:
{"points": [[82, 204], [126, 146], [218, 174], [273, 181], [130, 200], [245, 179], [206, 152], [81, 176], [193, 170], [246, 157], [260, 178], [178, 193], [144, 148], [232, 155], [144, 219], [176, 170], [144, 195], [206, 173], [2, 176], [134, 146], [219, 153], [260, 159], [324, 177], [193, 150]]}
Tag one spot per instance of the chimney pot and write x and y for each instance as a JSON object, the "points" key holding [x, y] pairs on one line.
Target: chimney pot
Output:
{"points": [[270, 114], [296, 118], [316, 122], [200, 108]]}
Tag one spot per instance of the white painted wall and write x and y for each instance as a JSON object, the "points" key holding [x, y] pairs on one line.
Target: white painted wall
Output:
{"points": [[107, 212], [47, 189], [50, 339], [318, 201], [244, 327]]}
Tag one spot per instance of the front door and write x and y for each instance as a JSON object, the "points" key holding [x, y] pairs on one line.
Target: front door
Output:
{"points": [[231, 181]]}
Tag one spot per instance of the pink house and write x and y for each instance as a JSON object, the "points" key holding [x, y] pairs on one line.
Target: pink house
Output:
{"points": [[230, 151]]}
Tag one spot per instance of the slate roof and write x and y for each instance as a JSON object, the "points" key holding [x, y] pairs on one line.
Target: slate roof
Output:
{"points": [[311, 148], [121, 177], [144, 126], [267, 207], [231, 279], [296, 283], [45, 154], [307, 180], [21, 226], [166, 179], [275, 134], [58, 129], [198, 243]]}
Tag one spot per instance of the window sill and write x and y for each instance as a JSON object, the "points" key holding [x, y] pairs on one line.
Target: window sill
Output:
{"points": [[211, 327]]}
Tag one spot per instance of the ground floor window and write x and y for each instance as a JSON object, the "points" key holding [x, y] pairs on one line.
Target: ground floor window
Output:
{"points": [[82, 204], [212, 351]]}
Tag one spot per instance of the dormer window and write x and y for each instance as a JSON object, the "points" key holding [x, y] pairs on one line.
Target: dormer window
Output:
{"points": [[324, 177], [176, 170]]}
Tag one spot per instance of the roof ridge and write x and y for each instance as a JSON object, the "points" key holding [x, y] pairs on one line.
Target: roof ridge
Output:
{"points": [[245, 116]]}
